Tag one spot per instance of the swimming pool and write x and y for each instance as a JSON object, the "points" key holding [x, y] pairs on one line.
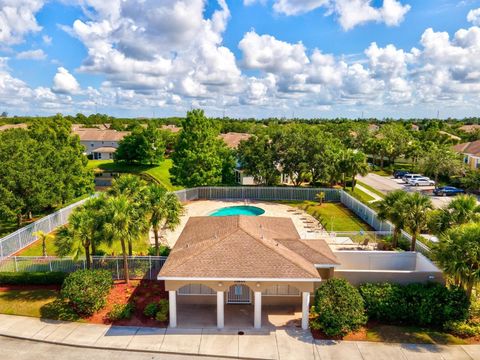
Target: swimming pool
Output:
{"points": [[238, 210]]}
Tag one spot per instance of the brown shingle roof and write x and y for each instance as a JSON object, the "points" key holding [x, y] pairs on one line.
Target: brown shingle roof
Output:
{"points": [[105, 149], [244, 247], [469, 128], [232, 139], [172, 128], [86, 134], [472, 148]]}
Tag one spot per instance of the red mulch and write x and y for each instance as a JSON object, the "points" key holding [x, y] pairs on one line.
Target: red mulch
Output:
{"points": [[140, 293]]}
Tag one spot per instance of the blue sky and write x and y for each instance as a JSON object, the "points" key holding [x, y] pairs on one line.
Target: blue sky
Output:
{"points": [[309, 58]]}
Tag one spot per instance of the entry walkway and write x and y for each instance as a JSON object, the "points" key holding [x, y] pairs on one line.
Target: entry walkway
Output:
{"points": [[286, 343]]}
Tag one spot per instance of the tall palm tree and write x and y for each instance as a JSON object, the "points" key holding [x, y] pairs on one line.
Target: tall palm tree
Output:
{"points": [[123, 225], [417, 206], [352, 163], [135, 191], [393, 209], [165, 210], [44, 238], [458, 253]]}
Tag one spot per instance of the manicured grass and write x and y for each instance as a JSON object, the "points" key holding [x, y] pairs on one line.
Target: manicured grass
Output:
{"points": [[139, 247], [161, 172], [410, 334], [26, 302], [335, 216], [368, 187]]}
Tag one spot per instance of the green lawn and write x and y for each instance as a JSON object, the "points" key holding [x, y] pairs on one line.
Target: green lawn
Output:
{"points": [[161, 172], [368, 187], [335, 216], [25, 302], [411, 334], [139, 247]]}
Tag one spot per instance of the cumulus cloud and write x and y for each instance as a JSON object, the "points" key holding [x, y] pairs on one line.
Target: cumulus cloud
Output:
{"points": [[32, 55], [17, 19], [64, 82], [473, 16], [350, 13]]}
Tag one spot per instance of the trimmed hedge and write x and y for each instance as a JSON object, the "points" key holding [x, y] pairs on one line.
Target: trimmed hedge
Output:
{"points": [[430, 304], [32, 278], [339, 308], [87, 290]]}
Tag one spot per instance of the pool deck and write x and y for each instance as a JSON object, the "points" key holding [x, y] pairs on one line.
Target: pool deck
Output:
{"points": [[206, 207]]}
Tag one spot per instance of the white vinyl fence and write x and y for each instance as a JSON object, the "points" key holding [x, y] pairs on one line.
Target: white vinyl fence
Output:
{"points": [[139, 267]]}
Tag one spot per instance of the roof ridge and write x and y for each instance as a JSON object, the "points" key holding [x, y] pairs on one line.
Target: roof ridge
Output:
{"points": [[306, 242], [275, 248]]}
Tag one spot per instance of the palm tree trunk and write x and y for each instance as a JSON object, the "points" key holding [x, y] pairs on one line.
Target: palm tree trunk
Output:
{"points": [[130, 248], [87, 256], [157, 245], [414, 242], [19, 220], [94, 248], [469, 288], [125, 261], [396, 233], [353, 182], [44, 246]]}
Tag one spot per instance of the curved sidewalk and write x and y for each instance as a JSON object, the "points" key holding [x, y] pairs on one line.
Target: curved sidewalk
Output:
{"points": [[288, 343]]}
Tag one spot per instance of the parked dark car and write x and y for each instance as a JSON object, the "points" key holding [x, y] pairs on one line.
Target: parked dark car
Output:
{"points": [[448, 190], [399, 174]]}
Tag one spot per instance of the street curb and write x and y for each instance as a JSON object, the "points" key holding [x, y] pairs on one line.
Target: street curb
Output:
{"points": [[127, 350]]}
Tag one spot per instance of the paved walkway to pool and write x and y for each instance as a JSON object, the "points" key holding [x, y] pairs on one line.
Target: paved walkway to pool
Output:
{"points": [[205, 207], [280, 343]]}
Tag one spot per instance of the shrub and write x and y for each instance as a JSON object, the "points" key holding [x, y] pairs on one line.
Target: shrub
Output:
{"points": [[151, 310], [339, 307], [163, 250], [32, 278], [121, 311], [162, 313], [87, 290], [463, 329], [429, 304]]}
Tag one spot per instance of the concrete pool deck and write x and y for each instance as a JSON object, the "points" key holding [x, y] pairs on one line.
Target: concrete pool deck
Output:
{"points": [[206, 207]]}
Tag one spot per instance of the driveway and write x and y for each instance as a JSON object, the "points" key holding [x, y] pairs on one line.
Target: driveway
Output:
{"points": [[386, 184]]}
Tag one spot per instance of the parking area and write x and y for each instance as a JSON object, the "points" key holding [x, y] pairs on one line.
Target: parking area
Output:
{"points": [[387, 184]]}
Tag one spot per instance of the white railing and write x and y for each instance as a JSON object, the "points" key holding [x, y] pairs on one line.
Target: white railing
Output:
{"points": [[139, 267]]}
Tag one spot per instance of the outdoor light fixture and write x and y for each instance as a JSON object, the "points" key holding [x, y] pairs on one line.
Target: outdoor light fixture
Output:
{"points": [[258, 284], [220, 284]]}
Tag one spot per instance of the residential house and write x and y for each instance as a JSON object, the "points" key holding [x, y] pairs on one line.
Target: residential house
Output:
{"points": [[261, 262], [469, 128], [103, 153], [93, 139], [471, 153], [13, 126]]}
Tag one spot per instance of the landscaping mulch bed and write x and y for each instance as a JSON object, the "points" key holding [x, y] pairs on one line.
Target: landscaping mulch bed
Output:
{"points": [[141, 293]]}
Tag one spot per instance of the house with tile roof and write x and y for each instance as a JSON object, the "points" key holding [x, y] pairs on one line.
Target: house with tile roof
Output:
{"points": [[95, 138], [262, 261], [471, 153]]}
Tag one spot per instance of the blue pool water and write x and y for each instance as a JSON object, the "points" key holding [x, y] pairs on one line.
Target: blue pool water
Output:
{"points": [[238, 210]]}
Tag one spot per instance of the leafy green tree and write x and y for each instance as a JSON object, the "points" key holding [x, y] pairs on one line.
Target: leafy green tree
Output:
{"points": [[417, 206], [471, 180], [458, 253], [293, 154], [352, 163], [441, 160], [394, 139], [260, 157], [322, 156], [461, 210], [393, 209], [164, 210], [143, 146], [198, 156]]}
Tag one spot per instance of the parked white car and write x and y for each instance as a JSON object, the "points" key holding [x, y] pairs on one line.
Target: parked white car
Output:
{"points": [[409, 177], [422, 181]]}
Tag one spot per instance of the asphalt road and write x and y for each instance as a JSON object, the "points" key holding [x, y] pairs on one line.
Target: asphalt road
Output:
{"points": [[387, 184], [33, 350]]}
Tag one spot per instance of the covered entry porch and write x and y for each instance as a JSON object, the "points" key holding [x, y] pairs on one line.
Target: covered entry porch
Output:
{"points": [[239, 304]]}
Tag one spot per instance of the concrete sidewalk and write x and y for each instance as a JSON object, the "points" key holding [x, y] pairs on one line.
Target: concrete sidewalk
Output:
{"points": [[287, 343]]}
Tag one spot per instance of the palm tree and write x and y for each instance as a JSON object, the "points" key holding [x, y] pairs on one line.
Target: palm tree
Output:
{"points": [[463, 209], [393, 209], [123, 225], [458, 253], [135, 191], [352, 163], [44, 237], [416, 206], [165, 211]]}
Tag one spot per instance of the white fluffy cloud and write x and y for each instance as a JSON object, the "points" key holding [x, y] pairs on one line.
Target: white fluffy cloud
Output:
{"points": [[350, 13], [474, 16], [32, 55], [64, 82], [17, 18]]}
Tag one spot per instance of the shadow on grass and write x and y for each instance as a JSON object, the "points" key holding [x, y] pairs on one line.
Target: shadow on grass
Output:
{"points": [[58, 310], [124, 167], [409, 334], [27, 295]]}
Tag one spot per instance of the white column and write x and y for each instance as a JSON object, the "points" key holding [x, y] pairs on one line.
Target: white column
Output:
{"points": [[220, 310], [172, 306], [305, 309], [257, 321]]}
